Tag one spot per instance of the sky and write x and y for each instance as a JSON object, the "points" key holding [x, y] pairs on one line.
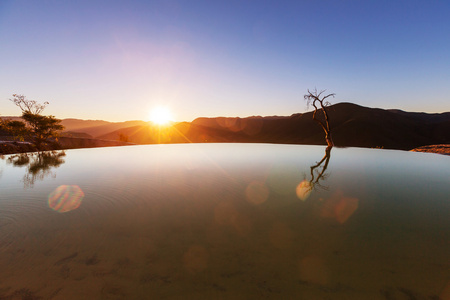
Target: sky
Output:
{"points": [[118, 60]]}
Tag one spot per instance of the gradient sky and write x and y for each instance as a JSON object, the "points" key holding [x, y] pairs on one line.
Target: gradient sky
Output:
{"points": [[116, 60]]}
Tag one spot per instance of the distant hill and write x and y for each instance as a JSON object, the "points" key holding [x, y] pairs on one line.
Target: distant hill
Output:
{"points": [[89, 128], [355, 125], [12, 118], [96, 128], [183, 132], [73, 134], [352, 125]]}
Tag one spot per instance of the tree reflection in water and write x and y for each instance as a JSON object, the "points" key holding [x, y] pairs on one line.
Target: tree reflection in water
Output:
{"points": [[337, 205], [318, 171], [39, 164], [318, 174]]}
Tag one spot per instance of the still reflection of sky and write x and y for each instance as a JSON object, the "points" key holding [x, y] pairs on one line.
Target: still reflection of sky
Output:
{"points": [[233, 213], [264, 172]]}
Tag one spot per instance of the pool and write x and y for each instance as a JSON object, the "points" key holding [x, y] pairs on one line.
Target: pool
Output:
{"points": [[225, 221]]}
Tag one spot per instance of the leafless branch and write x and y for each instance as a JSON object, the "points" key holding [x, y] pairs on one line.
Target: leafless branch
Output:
{"points": [[312, 97], [31, 106]]}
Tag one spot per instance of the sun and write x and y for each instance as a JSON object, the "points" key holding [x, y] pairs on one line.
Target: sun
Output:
{"points": [[160, 115]]}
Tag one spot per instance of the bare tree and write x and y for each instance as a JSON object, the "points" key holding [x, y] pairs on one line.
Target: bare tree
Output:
{"points": [[315, 98], [30, 106]]}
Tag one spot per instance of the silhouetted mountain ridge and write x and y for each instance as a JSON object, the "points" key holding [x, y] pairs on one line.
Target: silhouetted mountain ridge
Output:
{"points": [[352, 126]]}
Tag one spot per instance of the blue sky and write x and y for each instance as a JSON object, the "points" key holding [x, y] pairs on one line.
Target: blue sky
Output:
{"points": [[116, 60]]}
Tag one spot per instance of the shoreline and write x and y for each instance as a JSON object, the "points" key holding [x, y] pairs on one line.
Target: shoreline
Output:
{"points": [[13, 147], [65, 143], [443, 149]]}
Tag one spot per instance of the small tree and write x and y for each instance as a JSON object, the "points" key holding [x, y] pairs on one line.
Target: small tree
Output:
{"points": [[40, 129], [316, 98]]}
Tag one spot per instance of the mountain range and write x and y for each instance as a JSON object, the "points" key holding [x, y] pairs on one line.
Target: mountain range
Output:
{"points": [[352, 126]]}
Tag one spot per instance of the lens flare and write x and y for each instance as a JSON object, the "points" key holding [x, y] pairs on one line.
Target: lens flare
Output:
{"points": [[65, 198], [339, 207], [256, 192], [303, 190]]}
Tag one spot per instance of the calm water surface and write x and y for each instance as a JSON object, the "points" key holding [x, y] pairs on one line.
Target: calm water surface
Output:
{"points": [[225, 221]]}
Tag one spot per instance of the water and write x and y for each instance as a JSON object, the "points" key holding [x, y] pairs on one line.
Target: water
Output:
{"points": [[225, 221]]}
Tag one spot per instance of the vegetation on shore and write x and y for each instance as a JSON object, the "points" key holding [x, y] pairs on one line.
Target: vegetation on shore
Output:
{"points": [[439, 149], [40, 131]]}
